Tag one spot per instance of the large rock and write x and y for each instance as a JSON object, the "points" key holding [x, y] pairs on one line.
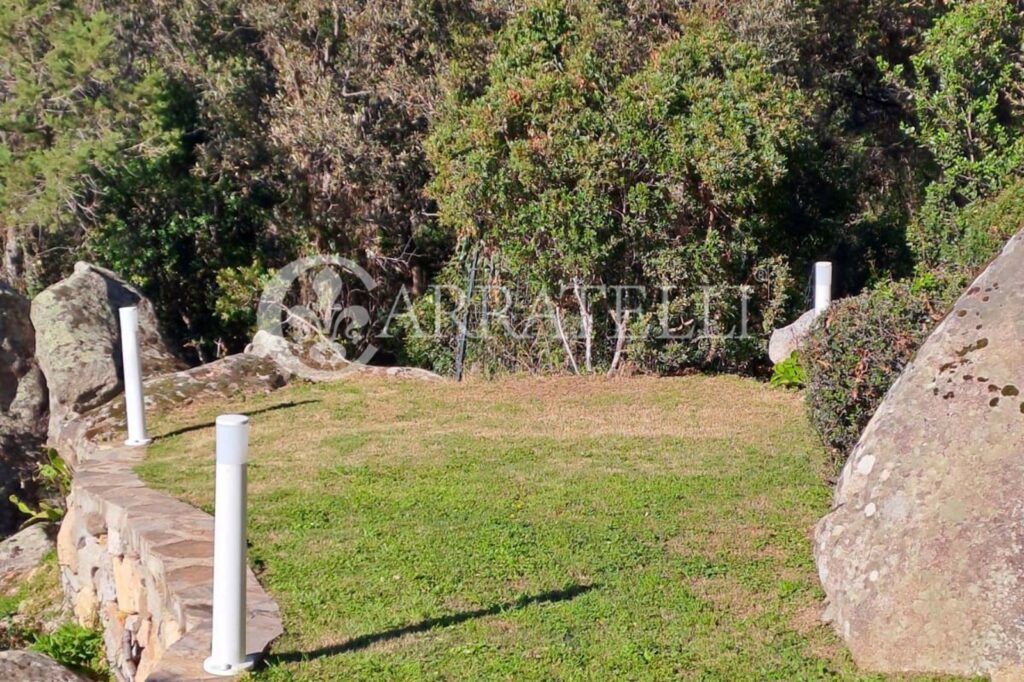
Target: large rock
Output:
{"points": [[23, 552], [22, 387], [30, 666], [23, 403], [785, 340], [78, 340], [922, 556], [225, 378], [322, 362]]}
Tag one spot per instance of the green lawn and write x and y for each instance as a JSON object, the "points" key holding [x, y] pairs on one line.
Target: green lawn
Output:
{"points": [[641, 529]]}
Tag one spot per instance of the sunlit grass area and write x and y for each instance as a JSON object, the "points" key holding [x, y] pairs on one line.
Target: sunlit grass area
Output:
{"points": [[642, 529]]}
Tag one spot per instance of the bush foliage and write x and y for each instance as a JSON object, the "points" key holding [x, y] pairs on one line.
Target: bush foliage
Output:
{"points": [[560, 145], [866, 340], [965, 88], [789, 373], [581, 167], [74, 646], [856, 351]]}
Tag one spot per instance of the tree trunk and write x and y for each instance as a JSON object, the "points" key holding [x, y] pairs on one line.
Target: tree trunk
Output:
{"points": [[565, 340], [14, 258], [587, 325], [621, 326]]}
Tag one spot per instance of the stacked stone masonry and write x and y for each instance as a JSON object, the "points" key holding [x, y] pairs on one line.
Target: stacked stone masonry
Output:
{"points": [[138, 562]]}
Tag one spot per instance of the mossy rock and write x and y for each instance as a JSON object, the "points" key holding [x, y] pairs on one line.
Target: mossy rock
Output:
{"points": [[78, 340]]}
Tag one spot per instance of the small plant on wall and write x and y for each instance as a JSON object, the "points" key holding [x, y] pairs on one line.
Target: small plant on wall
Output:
{"points": [[55, 478], [73, 646]]}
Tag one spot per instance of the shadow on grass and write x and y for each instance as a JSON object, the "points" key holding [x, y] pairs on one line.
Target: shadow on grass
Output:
{"points": [[251, 413], [363, 641]]}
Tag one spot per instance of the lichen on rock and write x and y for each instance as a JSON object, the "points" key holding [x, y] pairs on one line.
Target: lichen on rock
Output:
{"points": [[78, 340]]}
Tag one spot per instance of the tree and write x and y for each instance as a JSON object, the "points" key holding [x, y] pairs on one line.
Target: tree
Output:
{"points": [[70, 105], [583, 171], [965, 88]]}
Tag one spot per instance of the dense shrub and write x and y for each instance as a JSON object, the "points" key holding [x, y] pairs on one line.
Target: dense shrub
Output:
{"points": [[855, 353], [864, 342], [965, 87], [69, 103], [985, 227], [581, 168], [190, 145], [196, 145]]}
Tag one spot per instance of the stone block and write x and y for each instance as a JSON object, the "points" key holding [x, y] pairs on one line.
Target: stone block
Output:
{"points": [[67, 549], [170, 631], [129, 584], [86, 606]]}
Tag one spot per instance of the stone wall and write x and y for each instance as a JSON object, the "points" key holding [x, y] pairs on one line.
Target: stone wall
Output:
{"points": [[139, 562]]}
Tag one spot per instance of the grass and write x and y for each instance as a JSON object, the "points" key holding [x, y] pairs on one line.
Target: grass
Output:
{"points": [[33, 615], [641, 529], [36, 597]]}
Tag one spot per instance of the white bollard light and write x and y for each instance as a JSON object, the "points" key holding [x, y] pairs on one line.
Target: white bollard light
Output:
{"points": [[227, 655], [133, 400], [822, 286]]}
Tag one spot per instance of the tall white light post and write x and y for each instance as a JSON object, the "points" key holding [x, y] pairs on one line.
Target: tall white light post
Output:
{"points": [[227, 655], [133, 399], [822, 286]]}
